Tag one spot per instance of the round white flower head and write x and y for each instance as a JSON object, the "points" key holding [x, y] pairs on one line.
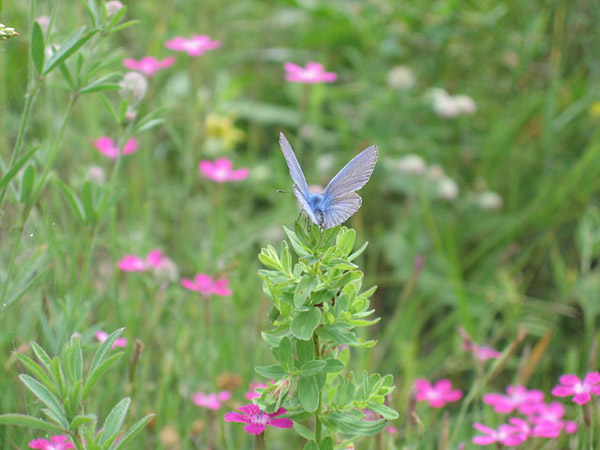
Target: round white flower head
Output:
{"points": [[489, 200], [465, 104], [133, 87], [411, 164], [401, 78], [113, 7], [447, 188]]}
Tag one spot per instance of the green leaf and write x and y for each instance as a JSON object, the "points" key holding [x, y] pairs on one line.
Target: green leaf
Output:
{"points": [[82, 420], [304, 289], [70, 46], [311, 368], [297, 245], [37, 47], [303, 431], [104, 349], [275, 371], [311, 445], [14, 170], [87, 199], [95, 374], [36, 370], [304, 323], [326, 444], [334, 365], [73, 200], [338, 335], [285, 355], [46, 397], [305, 351], [383, 411], [114, 421], [308, 393], [347, 424], [27, 181], [22, 420], [358, 252], [41, 355], [131, 433]]}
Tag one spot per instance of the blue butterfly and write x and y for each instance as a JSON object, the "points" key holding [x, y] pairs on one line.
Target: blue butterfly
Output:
{"points": [[338, 201]]}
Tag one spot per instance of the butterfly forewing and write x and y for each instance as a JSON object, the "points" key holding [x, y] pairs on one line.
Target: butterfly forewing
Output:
{"points": [[304, 203], [340, 209], [354, 175], [292, 163]]}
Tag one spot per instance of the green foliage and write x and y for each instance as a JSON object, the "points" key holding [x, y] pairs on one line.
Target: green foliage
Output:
{"points": [[319, 307], [62, 384]]}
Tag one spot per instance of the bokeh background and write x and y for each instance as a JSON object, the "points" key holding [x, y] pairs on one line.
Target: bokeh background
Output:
{"points": [[481, 216]]}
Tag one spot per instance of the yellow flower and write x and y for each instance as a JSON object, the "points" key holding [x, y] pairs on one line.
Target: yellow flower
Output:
{"points": [[594, 109], [222, 128]]}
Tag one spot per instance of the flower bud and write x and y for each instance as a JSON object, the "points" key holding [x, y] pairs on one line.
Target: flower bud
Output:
{"points": [[113, 7]]}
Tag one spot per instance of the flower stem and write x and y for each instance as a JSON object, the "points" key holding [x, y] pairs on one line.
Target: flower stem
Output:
{"points": [[318, 425], [259, 441], [587, 418]]}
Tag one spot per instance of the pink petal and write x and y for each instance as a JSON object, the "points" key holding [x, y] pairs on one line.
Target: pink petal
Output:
{"points": [[453, 396], [154, 258], [482, 428], [562, 391], [107, 147], [236, 417], [291, 67], [281, 423], [224, 396], [570, 427], [329, 77], [582, 398], [40, 444], [314, 66], [255, 428], [483, 440], [443, 385], [101, 336], [130, 147], [500, 403], [131, 263], [189, 284], [514, 439], [223, 164], [569, 380], [130, 63], [167, 62], [250, 409], [438, 402], [422, 385], [220, 287], [238, 174], [177, 43], [279, 412], [119, 342], [592, 378]]}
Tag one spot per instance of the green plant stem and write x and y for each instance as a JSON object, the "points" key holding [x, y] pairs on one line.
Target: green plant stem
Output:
{"points": [[11, 263], [259, 441], [318, 425]]}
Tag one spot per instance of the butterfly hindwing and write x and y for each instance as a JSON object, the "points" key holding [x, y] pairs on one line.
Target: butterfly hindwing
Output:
{"points": [[340, 209], [304, 203], [354, 175], [292, 163]]}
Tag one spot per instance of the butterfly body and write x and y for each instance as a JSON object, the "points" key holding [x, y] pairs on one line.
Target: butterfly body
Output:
{"points": [[339, 200]]}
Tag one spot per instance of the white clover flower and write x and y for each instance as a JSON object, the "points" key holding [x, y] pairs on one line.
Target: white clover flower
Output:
{"points": [[446, 105], [447, 188], [133, 87], [465, 104], [489, 201], [435, 172], [401, 78], [96, 175], [411, 164]]}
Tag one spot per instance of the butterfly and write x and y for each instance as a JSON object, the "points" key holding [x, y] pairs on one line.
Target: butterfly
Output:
{"points": [[339, 200]]}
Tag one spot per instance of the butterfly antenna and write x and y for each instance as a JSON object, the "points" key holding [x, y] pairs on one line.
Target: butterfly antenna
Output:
{"points": [[279, 191]]}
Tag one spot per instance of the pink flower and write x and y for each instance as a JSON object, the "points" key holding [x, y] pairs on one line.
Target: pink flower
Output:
{"points": [[552, 412], [480, 352], [195, 46], [55, 443], [391, 430], [133, 263], [518, 398], [107, 146], [314, 73], [221, 170], [119, 342], [211, 401], [252, 394], [257, 420], [572, 385], [437, 395], [204, 284], [505, 435], [148, 65]]}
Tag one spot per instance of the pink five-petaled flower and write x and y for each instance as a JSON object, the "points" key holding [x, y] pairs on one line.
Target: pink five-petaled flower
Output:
{"points": [[572, 385], [314, 73], [505, 435], [132, 263], [211, 401], [148, 65], [437, 395], [518, 398], [221, 170], [204, 284], [257, 420], [55, 443], [119, 342], [107, 146], [195, 46]]}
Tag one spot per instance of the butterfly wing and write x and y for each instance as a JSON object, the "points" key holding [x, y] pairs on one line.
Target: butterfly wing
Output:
{"points": [[354, 175], [295, 169], [304, 203], [340, 209]]}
